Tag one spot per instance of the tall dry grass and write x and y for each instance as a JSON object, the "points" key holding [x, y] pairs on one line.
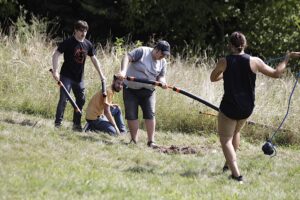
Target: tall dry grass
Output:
{"points": [[27, 86]]}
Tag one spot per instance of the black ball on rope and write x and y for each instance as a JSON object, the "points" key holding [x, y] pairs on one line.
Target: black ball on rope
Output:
{"points": [[269, 148]]}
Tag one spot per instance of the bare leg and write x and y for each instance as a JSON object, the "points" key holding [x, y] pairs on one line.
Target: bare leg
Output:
{"points": [[150, 127], [236, 136], [227, 131], [133, 126], [230, 155], [235, 143]]}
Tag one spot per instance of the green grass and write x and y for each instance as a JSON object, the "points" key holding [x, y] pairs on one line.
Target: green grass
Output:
{"points": [[40, 162]]}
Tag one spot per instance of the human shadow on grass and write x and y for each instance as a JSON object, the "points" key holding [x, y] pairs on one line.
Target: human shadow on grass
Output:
{"points": [[195, 173], [140, 169], [96, 137], [25, 122], [90, 138], [190, 173]]}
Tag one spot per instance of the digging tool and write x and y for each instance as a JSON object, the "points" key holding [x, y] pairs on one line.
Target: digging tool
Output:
{"points": [[103, 85], [156, 83], [68, 95]]}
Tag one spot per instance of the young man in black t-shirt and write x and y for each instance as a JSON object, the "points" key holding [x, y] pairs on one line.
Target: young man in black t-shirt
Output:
{"points": [[75, 50]]}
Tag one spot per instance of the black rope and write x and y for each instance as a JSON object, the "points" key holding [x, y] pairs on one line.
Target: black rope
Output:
{"points": [[289, 103], [273, 60], [269, 148]]}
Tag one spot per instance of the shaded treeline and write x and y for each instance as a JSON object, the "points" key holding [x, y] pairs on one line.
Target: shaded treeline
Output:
{"points": [[271, 26]]}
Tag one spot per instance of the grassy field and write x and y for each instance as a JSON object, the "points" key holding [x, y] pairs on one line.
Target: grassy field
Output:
{"points": [[40, 162], [27, 86]]}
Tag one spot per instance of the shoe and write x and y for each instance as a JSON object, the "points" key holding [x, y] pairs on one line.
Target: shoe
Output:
{"points": [[77, 128], [225, 168], [87, 127], [152, 144], [57, 125], [239, 178]]}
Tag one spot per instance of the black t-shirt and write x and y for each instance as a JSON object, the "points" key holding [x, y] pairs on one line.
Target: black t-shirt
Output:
{"points": [[75, 53], [239, 87]]}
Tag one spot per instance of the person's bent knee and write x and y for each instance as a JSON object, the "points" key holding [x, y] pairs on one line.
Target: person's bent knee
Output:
{"points": [[225, 139], [111, 131], [117, 110]]}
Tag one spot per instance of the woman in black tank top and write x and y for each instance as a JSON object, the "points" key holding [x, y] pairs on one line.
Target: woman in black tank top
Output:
{"points": [[238, 70]]}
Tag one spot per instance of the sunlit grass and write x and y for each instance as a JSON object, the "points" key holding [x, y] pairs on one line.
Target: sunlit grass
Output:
{"points": [[40, 162]]}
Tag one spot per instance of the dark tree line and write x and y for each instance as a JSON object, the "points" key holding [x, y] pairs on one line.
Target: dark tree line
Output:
{"points": [[271, 26]]}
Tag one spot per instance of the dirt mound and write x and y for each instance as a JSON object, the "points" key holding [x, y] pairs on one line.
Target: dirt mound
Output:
{"points": [[175, 150]]}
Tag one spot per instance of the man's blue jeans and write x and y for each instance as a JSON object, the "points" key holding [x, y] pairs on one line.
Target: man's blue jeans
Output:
{"points": [[103, 125], [78, 90]]}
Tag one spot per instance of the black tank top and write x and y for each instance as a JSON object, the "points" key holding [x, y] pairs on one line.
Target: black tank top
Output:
{"points": [[239, 87]]}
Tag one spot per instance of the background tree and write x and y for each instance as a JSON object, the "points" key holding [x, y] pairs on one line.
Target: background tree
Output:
{"points": [[8, 10], [271, 26]]}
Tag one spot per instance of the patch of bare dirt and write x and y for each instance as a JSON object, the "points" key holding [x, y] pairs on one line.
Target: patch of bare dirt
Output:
{"points": [[175, 149]]}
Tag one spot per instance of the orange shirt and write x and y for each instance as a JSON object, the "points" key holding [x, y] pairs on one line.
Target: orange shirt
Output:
{"points": [[95, 107]]}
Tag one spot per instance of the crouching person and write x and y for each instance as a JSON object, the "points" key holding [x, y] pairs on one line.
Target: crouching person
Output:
{"points": [[102, 115]]}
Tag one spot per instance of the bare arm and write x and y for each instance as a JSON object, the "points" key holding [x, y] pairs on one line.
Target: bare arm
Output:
{"points": [[257, 65], [124, 65], [217, 73], [109, 116], [97, 67], [55, 58], [162, 79]]}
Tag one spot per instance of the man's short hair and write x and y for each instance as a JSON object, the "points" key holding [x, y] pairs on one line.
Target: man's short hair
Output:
{"points": [[80, 24], [117, 78]]}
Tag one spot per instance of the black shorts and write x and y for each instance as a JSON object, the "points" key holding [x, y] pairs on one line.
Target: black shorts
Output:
{"points": [[139, 97], [236, 111]]}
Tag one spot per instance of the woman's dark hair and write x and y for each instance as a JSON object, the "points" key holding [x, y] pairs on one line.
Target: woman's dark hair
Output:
{"points": [[238, 40], [80, 24]]}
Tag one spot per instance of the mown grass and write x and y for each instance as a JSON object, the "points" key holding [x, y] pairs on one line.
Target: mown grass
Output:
{"points": [[40, 162]]}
